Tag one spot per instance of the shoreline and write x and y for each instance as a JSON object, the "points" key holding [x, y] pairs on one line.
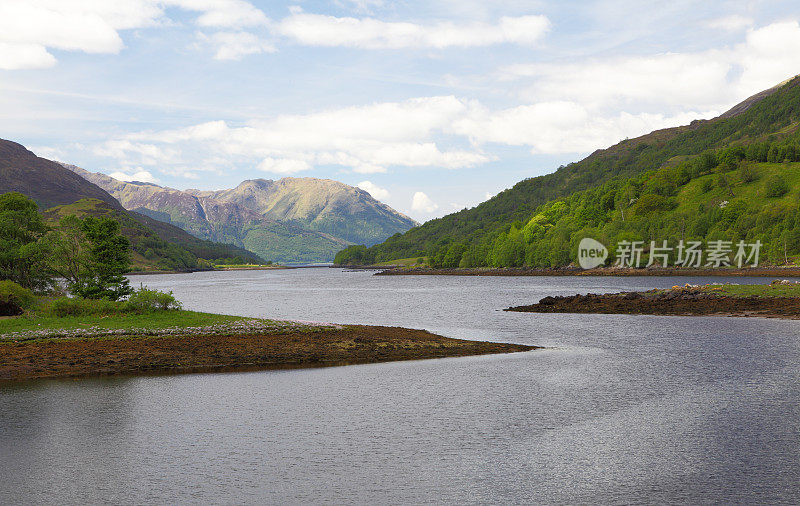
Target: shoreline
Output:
{"points": [[577, 271], [177, 354], [189, 271], [675, 302]]}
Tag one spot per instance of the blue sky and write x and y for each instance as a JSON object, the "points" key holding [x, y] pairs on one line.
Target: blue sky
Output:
{"points": [[430, 106]]}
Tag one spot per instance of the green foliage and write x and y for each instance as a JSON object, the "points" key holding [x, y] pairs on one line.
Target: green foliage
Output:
{"points": [[354, 255], [775, 186], [145, 299], [103, 276], [14, 299], [21, 256], [76, 306], [748, 174]]}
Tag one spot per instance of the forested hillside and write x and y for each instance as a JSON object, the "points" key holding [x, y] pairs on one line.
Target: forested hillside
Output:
{"points": [[468, 238]]}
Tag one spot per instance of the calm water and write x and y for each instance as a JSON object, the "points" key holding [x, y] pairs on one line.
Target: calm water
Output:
{"points": [[622, 409]]}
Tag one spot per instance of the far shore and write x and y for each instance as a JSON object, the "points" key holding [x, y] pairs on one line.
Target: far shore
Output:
{"points": [[186, 353], [225, 268], [772, 271]]}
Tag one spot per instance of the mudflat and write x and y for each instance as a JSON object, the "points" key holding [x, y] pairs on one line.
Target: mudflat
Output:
{"points": [[132, 354]]}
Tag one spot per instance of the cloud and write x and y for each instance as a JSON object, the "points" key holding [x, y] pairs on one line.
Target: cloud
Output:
{"points": [[140, 175], [283, 166], [365, 139], [24, 56], [370, 33], [730, 23], [560, 127], [223, 13], [235, 45], [29, 29], [137, 153], [376, 191], [421, 203], [709, 80]]}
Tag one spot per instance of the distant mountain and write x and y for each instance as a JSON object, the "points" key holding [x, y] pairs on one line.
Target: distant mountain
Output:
{"points": [[59, 191], [293, 220], [470, 235], [324, 205]]}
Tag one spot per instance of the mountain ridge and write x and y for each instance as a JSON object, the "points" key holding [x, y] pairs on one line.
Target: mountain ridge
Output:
{"points": [[292, 220]]}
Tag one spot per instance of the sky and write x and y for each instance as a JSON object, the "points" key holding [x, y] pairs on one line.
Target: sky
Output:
{"points": [[430, 106]]}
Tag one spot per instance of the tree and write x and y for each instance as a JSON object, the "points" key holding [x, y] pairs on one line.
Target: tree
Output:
{"points": [[22, 259], [108, 261], [68, 248]]}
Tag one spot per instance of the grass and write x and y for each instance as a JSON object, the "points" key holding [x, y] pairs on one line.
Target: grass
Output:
{"points": [[150, 320], [792, 290], [736, 290]]}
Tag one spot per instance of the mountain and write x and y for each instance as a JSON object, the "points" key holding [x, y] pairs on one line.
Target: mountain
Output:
{"points": [[771, 116], [293, 220], [59, 191], [318, 204], [44, 181]]}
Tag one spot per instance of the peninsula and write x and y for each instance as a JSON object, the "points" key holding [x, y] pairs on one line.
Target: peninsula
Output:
{"points": [[780, 299]]}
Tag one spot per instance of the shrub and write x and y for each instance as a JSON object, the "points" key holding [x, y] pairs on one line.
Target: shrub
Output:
{"points": [[76, 306], [651, 202], [748, 174], [706, 186], [775, 186], [14, 299], [145, 299]]}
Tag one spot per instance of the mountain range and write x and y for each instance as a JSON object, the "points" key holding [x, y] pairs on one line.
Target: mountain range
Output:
{"points": [[291, 220]]}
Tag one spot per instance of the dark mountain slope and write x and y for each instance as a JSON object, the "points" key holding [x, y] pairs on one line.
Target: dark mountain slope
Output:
{"points": [[46, 182]]}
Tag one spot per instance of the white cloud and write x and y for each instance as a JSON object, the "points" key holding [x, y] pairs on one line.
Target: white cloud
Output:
{"points": [[369, 33], [730, 23], [140, 175], [29, 28], [709, 80], [24, 56], [421, 203], [137, 153], [365, 139], [235, 45], [376, 191], [560, 127], [283, 166], [223, 13]]}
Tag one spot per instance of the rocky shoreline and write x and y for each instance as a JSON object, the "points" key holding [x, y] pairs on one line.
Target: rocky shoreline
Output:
{"points": [[169, 354], [680, 302], [577, 271]]}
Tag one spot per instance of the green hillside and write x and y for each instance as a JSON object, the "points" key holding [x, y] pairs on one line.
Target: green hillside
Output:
{"points": [[770, 117], [149, 251], [735, 195]]}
